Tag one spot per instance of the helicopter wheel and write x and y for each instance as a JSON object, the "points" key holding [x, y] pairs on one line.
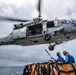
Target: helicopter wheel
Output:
{"points": [[51, 47], [46, 37]]}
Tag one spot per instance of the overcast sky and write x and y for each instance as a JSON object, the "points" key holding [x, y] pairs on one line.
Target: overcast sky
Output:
{"points": [[27, 9]]}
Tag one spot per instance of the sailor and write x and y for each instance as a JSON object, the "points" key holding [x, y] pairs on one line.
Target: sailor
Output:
{"points": [[60, 58], [68, 57]]}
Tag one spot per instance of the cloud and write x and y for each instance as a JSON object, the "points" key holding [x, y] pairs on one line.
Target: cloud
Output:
{"points": [[31, 54], [24, 9], [23, 54], [8, 62], [58, 8]]}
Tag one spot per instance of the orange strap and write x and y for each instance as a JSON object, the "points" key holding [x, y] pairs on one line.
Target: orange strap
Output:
{"points": [[53, 73], [61, 63], [65, 68], [32, 71]]}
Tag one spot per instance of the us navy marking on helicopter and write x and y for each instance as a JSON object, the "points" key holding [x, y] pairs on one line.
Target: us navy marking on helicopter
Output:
{"points": [[39, 31]]}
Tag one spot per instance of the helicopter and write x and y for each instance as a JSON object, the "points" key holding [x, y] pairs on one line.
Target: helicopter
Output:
{"points": [[39, 31]]}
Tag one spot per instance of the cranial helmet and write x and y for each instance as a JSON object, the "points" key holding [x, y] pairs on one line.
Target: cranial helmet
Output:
{"points": [[58, 53], [65, 52]]}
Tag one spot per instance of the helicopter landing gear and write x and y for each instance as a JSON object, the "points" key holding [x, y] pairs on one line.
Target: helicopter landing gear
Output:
{"points": [[51, 47]]}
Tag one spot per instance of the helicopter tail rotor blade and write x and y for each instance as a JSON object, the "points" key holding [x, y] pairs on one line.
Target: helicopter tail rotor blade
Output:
{"points": [[12, 19], [39, 8]]}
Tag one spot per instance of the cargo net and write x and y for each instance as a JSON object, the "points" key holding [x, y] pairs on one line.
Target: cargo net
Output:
{"points": [[50, 69]]}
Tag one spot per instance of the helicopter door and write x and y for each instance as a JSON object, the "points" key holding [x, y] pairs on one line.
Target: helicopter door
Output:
{"points": [[44, 27], [46, 34], [35, 29]]}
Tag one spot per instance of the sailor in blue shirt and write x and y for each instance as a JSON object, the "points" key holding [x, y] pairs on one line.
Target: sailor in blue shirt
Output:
{"points": [[68, 57], [60, 58]]}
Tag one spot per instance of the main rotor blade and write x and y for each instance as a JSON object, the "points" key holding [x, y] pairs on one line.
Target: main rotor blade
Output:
{"points": [[39, 8], [12, 19]]}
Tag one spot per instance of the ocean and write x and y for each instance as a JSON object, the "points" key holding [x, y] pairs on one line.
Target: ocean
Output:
{"points": [[11, 70]]}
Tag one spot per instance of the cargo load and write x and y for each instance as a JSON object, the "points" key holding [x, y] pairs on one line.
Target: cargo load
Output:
{"points": [[48, 68]]}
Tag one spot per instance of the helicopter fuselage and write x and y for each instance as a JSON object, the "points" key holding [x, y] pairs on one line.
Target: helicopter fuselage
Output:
{"points": [[40, 32]]}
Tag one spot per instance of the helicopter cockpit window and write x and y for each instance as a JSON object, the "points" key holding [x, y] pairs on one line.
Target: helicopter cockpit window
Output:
{"points": [[35, 29], [50, 24], [23, 29], [15, 31], [65, 21], [20, 30]]}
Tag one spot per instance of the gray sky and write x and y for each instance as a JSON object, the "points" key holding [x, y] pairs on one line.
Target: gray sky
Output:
{"points": [[25, 9]]}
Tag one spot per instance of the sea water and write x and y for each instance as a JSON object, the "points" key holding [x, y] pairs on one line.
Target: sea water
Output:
{"points": [[11, 70]]}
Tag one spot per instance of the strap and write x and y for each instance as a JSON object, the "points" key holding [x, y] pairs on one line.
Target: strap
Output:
{"points": [[33, 71], [65, 68], [73, 68], [53, 73]]}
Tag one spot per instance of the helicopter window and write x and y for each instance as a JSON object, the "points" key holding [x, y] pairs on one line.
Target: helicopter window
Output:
{"points": [[23, 29], [15, 31], [64, 21], [20, 30], [35, 29], [50, 24]]}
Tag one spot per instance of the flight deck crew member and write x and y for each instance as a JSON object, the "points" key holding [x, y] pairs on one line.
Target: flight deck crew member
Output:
{"points": [[68, 57], [60, 58]]}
